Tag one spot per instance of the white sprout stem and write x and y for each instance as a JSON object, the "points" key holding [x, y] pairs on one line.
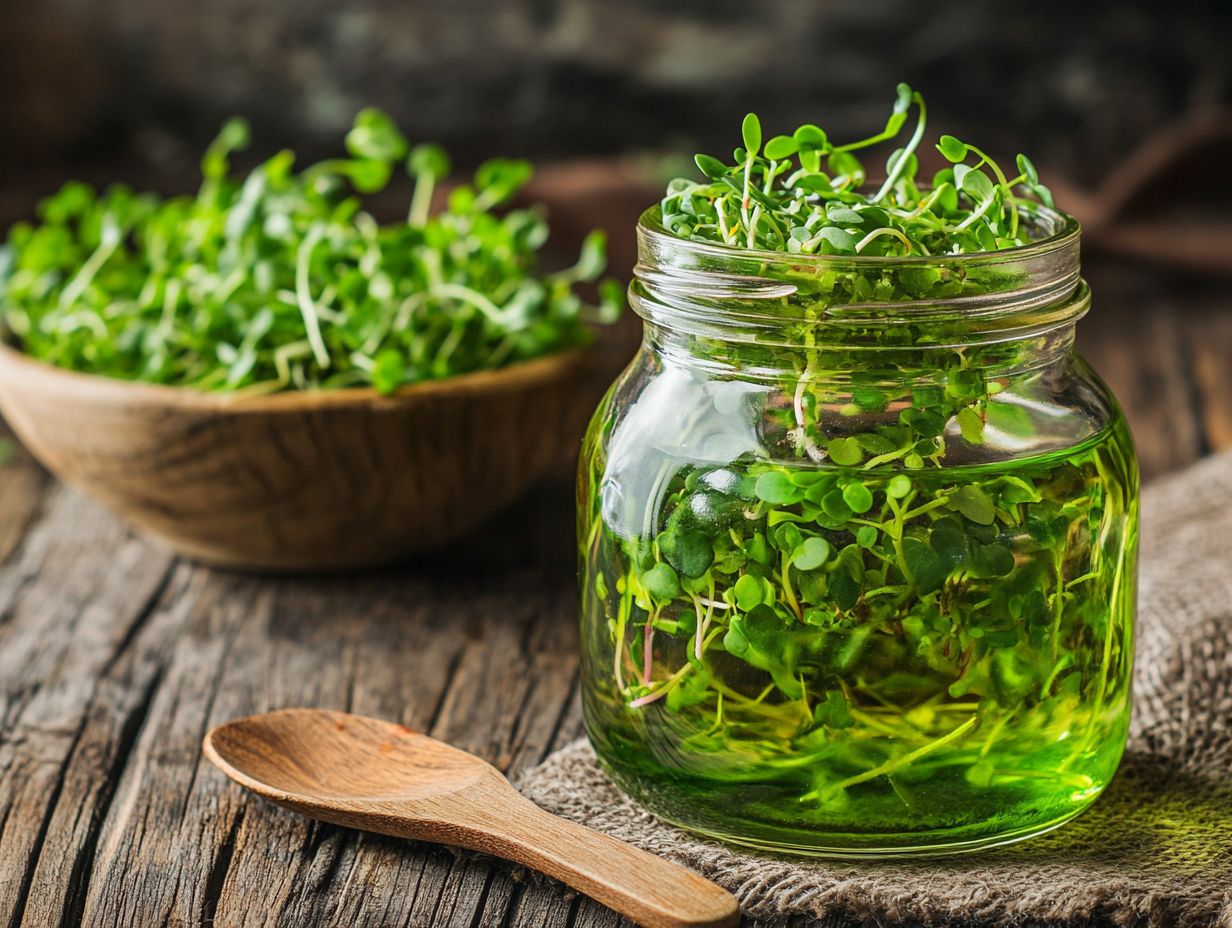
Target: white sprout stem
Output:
{"points": [[810, 447], [797, 403], [744, 200], [752, 239], [904, 156], [109, 241], [703, 625], [697, 635], [978, 214], [421, 200], [886, 230], [648, 648], [303, 296], [473, 297], [718, 208], [770, 175], [283, 356], [171, 299]]}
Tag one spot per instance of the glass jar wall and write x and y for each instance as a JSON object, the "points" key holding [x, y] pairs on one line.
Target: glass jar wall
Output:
{"points": [[858, 549]]}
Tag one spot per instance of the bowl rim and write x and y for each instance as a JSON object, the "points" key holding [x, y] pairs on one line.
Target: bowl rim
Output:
{"points": [[15, 365]]}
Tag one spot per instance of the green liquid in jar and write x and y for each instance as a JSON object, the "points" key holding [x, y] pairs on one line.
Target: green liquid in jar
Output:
{"points": [[950, 671]]}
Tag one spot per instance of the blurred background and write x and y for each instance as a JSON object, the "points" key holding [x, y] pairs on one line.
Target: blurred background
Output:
{"points": [[1126, 107], [132, 90]]}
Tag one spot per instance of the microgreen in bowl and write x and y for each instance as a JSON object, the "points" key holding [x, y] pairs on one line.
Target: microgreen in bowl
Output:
{"points": [[281, 280]]}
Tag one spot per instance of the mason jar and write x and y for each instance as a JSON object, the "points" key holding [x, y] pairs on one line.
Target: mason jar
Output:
{"points": [[858, 548]]}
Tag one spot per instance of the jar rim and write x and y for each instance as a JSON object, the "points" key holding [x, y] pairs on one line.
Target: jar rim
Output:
{"points": [[1064, 231], [739, 294]]}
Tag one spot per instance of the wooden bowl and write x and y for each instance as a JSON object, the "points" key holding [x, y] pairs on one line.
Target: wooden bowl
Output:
{"points": [[301, 481]]}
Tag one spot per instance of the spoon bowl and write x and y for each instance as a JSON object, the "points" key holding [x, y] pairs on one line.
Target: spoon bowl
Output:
{"points": [[399, 764], [383, 777]]}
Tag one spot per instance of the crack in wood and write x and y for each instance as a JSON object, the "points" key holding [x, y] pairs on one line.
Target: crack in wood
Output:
{"points": [[140, 620], [36, 848], [438, 708], [216, 878], [83, 863]]}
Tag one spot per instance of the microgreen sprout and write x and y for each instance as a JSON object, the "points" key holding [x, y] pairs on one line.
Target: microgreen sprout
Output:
{"points": [[802, 193], [281, 280]]}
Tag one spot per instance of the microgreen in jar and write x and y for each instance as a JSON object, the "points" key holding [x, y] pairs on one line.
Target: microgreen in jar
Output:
{"points": [[857, 539]]}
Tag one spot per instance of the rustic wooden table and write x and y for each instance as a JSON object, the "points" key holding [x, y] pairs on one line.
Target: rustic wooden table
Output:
{"points": [[115, 657]]}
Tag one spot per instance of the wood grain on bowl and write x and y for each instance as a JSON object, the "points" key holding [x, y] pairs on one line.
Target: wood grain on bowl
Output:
{"points": [[301, 481]]}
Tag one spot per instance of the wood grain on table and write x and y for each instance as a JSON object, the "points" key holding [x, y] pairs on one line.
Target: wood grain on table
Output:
{"points": [[115, 658]]}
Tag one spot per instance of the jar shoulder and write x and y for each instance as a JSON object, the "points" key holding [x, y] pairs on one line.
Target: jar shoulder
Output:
{"points": [[686, 412]]}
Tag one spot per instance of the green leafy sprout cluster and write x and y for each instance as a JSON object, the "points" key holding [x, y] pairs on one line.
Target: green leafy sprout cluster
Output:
{"points": [[882, 618], [803, 194], [280, 280]]}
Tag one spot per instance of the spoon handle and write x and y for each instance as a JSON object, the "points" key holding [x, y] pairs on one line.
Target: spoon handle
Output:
{"points": [[650, 890]]}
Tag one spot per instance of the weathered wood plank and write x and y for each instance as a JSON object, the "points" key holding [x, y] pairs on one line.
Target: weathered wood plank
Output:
{"points": [[173, 842], [73, 600]]}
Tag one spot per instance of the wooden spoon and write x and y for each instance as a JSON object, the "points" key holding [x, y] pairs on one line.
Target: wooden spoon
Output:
{"points": [[383, 777]]}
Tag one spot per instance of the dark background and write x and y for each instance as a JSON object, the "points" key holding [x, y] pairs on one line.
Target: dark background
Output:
{"points": [[1125, 106]]}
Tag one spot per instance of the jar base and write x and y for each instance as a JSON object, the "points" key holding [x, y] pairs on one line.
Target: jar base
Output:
{"points": [[787, 849], [788, 842]]}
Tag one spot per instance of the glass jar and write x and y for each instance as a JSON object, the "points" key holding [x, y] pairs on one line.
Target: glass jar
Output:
{"points": [[858, 548]]}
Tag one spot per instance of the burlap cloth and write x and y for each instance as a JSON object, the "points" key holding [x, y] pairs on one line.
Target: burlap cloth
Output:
{"points": [[1155, 849]]}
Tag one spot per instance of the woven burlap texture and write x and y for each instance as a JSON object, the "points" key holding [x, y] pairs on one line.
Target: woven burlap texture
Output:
{"points": [[1155, 849]]}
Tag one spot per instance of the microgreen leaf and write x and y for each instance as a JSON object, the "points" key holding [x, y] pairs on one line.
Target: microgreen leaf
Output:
{"points": [[971, 425], [661, 582], [775, 487], [845, 451], [836, 241], [899, 486], [953, 150], [750, 130], [690, 553], [593, 257], [1027, 169], [858, 497], [902, 100], [750, 591], [428, 160], [973, 503], [711, 167], [780, 147], [811, 553], [809, 137], [977, 185], [375, 136], [234, 136], [389, 371]]}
